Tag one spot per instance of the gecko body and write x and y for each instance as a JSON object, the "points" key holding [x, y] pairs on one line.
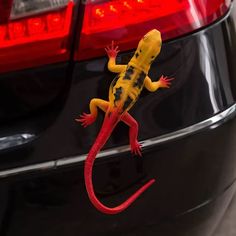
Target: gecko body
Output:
{"points": [[123, 93]]}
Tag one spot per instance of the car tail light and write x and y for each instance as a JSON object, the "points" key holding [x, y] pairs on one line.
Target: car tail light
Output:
{"points": [[125, 21], [34, 32]]}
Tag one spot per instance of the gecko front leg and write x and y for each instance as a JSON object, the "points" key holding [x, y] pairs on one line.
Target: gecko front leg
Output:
{"points": [[163, 82], [112, 52], [88, 119]]}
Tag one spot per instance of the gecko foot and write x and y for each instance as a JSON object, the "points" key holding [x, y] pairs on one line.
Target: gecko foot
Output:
{"points": [[112, 51], [136, 148], [165, 81], [86, 119]]}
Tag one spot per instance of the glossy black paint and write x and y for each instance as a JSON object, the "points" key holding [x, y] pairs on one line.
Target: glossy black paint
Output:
{"points": [[195, 175], [25, 92], [29, 103], [195, 183]]}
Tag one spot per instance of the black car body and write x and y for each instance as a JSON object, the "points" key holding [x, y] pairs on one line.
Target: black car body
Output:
{"points": [[188, 135]]}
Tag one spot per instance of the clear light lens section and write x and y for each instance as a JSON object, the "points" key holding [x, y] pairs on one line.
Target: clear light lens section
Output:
{"points": [[23, 8]]}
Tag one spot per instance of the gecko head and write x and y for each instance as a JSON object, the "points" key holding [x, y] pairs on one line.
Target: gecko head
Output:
{"points": [[150, 44], [148, 49]]}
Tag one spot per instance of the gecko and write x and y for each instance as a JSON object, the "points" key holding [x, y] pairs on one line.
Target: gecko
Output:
{"points": [[123, 93]]}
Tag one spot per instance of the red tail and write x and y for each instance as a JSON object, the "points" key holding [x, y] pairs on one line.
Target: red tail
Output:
{"points": [[109, 124]]}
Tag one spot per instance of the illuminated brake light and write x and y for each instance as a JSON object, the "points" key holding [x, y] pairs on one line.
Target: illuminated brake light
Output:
{"points": [[17, 30], [36, 25], [36, 39], [3, 31], [125, 21], [55, 22]]}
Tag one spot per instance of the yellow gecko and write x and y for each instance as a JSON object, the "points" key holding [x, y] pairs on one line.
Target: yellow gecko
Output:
{"points": [[123, 93]]}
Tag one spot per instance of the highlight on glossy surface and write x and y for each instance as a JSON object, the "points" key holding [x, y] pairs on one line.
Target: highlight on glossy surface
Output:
{"points": [[35, 40], [126, 21]]}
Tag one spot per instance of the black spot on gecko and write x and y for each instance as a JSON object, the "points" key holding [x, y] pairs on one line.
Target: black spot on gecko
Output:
{"points": [[128, 73], [128, 101], [117, 94], [136, 54], [140, 80]]}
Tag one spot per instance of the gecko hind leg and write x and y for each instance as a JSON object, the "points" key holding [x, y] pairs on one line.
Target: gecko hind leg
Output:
{"points": [[133, 133], [88, 119]]}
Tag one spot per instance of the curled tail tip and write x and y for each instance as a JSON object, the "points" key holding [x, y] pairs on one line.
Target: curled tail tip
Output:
{"points": [[152, 181], [147, 185], [131, 200]]}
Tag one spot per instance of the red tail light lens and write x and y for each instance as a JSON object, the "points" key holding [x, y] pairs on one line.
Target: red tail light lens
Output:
{"points": [[125, 21], [32, 39]]}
